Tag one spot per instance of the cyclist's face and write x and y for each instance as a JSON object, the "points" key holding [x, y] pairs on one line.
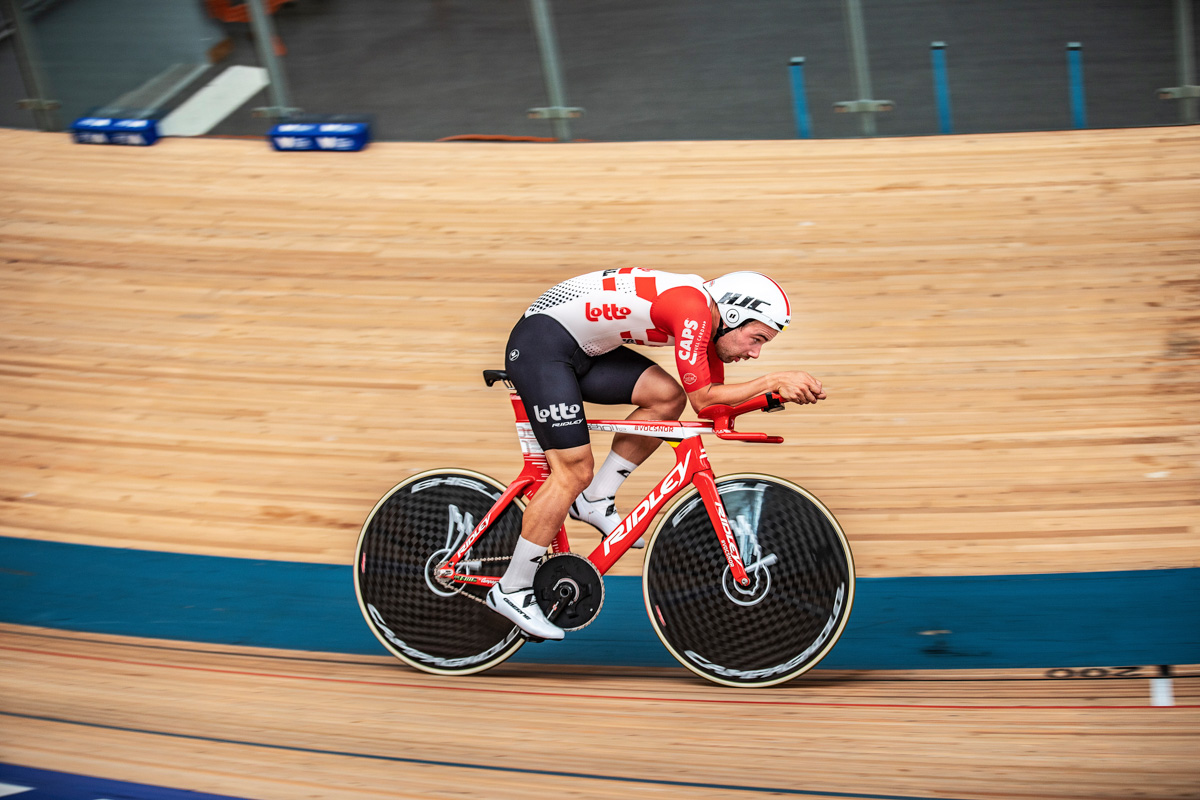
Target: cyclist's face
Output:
{"points": [[744, 342]]}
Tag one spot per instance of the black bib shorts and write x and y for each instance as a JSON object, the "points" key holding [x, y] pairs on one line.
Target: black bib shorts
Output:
{"points": [[554, 377]]}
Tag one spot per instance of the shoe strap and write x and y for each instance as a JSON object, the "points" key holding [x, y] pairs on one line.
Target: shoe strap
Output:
{"points": [[612, 503]]}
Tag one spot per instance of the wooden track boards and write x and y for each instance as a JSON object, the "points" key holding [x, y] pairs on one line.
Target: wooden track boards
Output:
{"points": [[212, 348], [278, 725]]}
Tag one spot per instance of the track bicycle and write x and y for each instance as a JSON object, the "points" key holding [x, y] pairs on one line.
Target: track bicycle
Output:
{"points": [[748, 579]]}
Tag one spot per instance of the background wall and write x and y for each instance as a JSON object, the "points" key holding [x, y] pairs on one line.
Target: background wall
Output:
{"points": [[673, 69]]}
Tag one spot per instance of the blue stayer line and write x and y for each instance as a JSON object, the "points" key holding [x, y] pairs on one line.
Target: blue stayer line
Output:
{"points": [[427, 762]]}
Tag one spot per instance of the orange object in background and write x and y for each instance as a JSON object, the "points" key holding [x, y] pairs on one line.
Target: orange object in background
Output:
{"points": [[226, 11]]}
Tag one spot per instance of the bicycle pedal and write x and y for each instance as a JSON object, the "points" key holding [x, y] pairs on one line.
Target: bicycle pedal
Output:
{"points": [[529, 637]]}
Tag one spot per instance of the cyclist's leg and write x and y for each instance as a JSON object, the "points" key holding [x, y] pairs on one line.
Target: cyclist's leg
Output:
{"points": [[542, 362], [657, 396], [621, 377], [570, 471], [513, 596]]}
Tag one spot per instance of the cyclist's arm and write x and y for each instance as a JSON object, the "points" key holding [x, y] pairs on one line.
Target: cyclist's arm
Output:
{"points": [[793, 387], [685, 314]]}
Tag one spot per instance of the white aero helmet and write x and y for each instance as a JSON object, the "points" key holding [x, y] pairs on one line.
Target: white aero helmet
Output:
{"points": [[743, 296]]}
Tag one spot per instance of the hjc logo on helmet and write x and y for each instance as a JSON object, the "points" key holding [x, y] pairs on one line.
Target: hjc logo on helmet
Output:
{"points": [[745, 301]]}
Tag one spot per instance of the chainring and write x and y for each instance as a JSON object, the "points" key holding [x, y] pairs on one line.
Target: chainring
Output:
{"points": [[569, 590]]}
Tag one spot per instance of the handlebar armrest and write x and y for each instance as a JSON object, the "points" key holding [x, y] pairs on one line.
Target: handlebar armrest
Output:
{"points": [[722, 417]]}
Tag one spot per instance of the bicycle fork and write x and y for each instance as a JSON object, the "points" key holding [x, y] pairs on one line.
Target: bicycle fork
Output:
{"points": [[716, 512]]}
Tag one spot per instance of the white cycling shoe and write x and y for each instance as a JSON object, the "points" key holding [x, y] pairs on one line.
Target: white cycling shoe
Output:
{"points": [[600, 514], [521, 608]]}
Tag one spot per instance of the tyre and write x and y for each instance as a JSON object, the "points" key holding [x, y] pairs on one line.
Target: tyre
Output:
{"points": [[417, 525], [798, 600]]}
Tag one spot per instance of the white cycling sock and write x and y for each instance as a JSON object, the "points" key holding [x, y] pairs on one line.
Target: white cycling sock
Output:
{"points": [[609, 477], [526, 558]]}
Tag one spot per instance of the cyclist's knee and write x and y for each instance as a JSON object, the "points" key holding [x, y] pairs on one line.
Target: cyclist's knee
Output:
{"points": [[574, 466]]}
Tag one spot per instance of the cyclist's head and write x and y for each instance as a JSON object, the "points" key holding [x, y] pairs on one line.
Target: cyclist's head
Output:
{"points": [[745, 296]]}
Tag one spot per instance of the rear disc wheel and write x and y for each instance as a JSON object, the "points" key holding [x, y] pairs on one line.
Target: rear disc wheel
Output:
{"points": [[435, 626]]}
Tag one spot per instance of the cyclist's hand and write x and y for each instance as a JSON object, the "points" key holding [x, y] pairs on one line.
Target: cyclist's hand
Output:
{"points": [[798, 387]]}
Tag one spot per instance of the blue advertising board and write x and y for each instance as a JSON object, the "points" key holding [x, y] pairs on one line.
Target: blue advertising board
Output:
{"points": [[312, 136], [111, 130]]}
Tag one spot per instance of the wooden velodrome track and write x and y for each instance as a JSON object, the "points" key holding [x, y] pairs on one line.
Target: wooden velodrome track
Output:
{"points": [[211, 348]]}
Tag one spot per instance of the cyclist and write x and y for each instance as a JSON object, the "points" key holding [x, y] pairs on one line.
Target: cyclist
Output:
{"points": [[570, 347]]}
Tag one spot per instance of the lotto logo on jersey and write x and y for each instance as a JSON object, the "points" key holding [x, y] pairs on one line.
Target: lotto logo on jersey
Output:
{"points": [[687, 342], [558, 411], [608, 311]]}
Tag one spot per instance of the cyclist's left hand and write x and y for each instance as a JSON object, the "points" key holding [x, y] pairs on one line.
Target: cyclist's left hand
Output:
{"points": [[798, 387]]}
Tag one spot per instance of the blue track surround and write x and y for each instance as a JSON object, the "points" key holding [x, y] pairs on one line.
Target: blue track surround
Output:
{"points": [[1145, 617], [45, 785], [25, 783]]}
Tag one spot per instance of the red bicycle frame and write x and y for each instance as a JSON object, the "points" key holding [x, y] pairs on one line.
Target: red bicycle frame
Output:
{"points": [[691, 467]]}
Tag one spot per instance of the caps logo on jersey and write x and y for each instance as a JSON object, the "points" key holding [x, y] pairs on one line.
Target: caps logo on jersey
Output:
{"points": [[687, 342]]}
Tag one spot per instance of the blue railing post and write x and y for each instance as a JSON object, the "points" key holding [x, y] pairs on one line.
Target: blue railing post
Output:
{"points": [[799, 99], [941, 85], [1075, 69]]}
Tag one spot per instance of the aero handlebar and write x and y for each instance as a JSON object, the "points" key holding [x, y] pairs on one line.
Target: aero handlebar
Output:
{"points": [[722, 417]]}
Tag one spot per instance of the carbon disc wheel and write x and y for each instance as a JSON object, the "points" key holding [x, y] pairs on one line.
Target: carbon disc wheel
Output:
{"points": [[420, 620], [801, 583]]}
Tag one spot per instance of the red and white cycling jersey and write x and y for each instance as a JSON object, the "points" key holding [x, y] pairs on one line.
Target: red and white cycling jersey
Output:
{"points": [[606, 309]]}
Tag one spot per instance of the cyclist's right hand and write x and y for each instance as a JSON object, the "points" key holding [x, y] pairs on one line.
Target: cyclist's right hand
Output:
{"points": [[797, 387]]}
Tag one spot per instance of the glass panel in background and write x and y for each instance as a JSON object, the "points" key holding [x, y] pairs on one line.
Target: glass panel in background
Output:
{"points": [[121, 56]]}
